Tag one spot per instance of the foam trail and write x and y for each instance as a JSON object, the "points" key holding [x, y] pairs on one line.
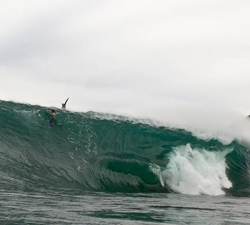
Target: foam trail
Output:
{"points": [[197, 171]]}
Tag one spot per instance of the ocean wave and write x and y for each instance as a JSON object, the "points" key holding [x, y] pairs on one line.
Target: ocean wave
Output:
{"points": [[105, 152]]}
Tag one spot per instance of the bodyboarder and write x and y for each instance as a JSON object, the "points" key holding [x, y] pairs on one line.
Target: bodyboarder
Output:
{"points": [[52, 120]]}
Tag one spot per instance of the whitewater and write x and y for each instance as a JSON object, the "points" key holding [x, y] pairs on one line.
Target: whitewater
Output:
{"points": [[96, 168]]}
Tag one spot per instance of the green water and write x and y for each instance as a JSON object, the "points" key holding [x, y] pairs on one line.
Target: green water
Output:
{"points": [[95, 168], [71, 207]]}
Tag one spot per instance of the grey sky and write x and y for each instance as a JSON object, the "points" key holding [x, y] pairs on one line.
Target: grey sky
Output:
{"points": [[159, 59]]}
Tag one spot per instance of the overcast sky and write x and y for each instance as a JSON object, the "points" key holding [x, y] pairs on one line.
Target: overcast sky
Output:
{"points": [[144, 58]]}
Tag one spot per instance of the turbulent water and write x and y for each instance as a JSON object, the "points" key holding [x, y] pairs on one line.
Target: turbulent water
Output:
{"points": [[81, 156]]}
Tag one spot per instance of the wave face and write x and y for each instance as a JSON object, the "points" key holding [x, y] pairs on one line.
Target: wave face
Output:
{"points": [[100, 152]]}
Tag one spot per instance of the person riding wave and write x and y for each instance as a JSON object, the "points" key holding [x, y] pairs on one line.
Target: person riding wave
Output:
{"points": [[52, 111]]}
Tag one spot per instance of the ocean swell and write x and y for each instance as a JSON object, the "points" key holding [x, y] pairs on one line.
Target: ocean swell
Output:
{"points": [[103, 152]]}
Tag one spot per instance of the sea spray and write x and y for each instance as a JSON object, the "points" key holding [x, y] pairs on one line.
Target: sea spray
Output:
{"points": [[198, 171]]}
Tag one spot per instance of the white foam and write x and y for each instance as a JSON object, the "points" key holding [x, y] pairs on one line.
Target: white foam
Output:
{"points": [[197, 171]]}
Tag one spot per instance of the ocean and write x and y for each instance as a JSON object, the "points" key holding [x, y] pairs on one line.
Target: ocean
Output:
{"points": [[99, 168]]}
